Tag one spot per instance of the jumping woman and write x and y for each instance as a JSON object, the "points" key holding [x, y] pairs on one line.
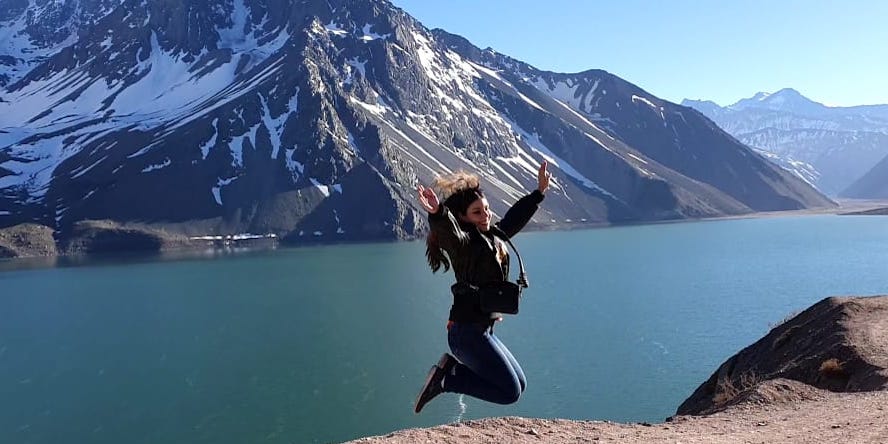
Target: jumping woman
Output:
{"points": [[462, 237]]}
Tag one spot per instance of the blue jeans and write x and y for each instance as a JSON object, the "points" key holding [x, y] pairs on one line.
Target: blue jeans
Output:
{"points": [[486, 369]]}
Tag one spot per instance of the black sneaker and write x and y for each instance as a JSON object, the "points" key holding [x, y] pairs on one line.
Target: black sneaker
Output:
{"points": [[432, 386]]}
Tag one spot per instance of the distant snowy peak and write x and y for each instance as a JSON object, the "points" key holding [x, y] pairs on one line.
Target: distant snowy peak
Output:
{"points": [[785, 100], [759, 96], [838, 143], [789, 101]]}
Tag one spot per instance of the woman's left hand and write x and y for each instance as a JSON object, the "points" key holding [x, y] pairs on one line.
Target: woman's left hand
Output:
{"points": [[543, 177]]}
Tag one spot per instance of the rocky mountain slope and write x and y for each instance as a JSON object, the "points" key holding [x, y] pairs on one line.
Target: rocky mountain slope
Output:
{"points": [[830, 146], [34, 30], [314, 120], [872, 185]]}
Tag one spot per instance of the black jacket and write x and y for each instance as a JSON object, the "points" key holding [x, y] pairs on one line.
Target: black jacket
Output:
{"points": [[473, 254]]}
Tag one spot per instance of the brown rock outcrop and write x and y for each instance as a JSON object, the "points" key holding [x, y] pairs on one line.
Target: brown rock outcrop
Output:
{"points": [[27, 240], [104, 236], [838, 344]]}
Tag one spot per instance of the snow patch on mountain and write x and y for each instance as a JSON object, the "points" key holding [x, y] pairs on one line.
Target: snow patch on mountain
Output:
{"points": [[359, 65], [335, 29], [205, 147], [506, 83], [16, 44], [321, 187], [803, 170], [275, 125], [370, 36], [534, 142], [566, 92], [217, 190], [378, 109], [32, 163], [154, 167], [168, 90]]}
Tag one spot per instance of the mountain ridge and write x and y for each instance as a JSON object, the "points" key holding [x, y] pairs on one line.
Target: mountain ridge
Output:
{"points": [[840, 144], [281, 116]]}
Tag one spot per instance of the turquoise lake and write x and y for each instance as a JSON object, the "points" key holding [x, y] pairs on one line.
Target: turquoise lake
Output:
{"points": [[327, 344]]}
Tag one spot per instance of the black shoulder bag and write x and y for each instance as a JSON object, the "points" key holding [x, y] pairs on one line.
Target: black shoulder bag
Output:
{"points": [[503, 296]]}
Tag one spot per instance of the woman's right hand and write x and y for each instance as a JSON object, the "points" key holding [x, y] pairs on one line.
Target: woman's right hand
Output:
{"points": [[428, 199]]}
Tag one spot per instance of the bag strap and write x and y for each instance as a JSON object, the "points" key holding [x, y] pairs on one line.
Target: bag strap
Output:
{"points": [[522, 275]]}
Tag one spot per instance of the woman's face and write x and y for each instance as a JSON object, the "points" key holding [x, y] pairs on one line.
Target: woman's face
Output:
{"points": [[478, 214]]}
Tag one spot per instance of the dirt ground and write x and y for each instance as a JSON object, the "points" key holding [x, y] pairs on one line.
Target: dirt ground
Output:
{"points": [[847, 418]]}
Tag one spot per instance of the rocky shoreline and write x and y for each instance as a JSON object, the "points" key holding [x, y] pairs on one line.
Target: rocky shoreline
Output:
{"points": [[106, 236], [873, 212], [27, 240], [821, 376], [103, 237]]}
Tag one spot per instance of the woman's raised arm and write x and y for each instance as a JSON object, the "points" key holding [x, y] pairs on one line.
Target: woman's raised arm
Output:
{"points": [[522, 211], [441, 221]]}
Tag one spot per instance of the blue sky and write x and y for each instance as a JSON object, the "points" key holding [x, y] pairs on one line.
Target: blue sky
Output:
{"points": [[834, 52]]}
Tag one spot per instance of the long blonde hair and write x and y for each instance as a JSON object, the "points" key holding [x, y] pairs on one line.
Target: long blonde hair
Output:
{"points": [[458, 190]]}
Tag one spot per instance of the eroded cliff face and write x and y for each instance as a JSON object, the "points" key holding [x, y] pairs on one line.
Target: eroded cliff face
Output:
{"points": [[839, 344]]}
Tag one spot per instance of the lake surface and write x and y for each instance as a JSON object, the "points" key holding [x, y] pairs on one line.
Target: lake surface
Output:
{"points": [[332, 343]]}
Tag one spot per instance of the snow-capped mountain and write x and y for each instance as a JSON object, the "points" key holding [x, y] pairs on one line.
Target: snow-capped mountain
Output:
{"points": [[840, 143], [786, 100], [314, 120]]}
